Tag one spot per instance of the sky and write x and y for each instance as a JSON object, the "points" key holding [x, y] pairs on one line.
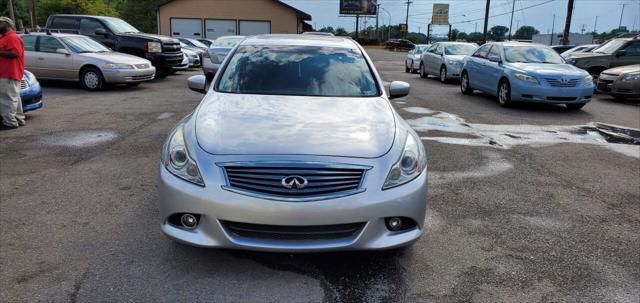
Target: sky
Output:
{"points": [[465, 15]]}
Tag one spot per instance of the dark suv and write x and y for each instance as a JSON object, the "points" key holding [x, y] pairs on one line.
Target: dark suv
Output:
{"points": [[613, 53], [163, 52]]}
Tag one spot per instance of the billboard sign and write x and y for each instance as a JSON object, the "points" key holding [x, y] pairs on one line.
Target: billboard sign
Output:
{"points": [[440, 14], [358, 7]]}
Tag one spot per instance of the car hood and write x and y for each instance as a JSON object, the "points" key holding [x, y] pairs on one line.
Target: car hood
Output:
{"points": [[586, 55], [115, 57], [163, 39], [455, 57], [623, 69], [549, 69], [240, 124]]}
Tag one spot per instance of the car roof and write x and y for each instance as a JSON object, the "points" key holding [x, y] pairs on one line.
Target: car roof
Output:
{"points": [[52, 34], [291, 39], [516, 43]]}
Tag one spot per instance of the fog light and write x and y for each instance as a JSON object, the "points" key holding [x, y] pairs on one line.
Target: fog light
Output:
{"points": [[188, 221], [394, 224]]}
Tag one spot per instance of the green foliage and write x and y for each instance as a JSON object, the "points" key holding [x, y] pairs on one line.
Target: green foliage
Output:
{"points": [[454, 34], [462, 36], [139, 13], [497, 33], [86, 7], [328, 29], [475, 37], [525, 32], [19, 10], [340, 31]]}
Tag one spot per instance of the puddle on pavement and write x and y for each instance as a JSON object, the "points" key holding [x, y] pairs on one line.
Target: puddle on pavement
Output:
{"points": [[617, 138], [78, 139], [164, 116]]}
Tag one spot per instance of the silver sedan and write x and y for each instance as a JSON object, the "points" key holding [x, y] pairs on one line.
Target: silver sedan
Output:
{"points": [[445, 59], [80, 58], [412, 61], [295, 147]]}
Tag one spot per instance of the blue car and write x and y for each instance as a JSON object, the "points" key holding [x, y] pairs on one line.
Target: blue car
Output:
{"points": [[30, 92], [525, 72]]}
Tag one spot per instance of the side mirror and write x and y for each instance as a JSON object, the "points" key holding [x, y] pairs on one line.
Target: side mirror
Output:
{"points": [[621, 53], [62, 51], [197, 84], [100, 32], [495, 58], [398, 89]]}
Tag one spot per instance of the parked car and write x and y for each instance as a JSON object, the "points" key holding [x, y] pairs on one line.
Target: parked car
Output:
{"points": [[193, 43], [217, 52], [163, 52], [412, 61], [184, 65], [276, 159], [445, 59], [579, 49], [399, 44], [206, 42], [71, 57], [614, 53], [30, 92], [620, 82], [194, 55], [562, 48], [524, 72]]}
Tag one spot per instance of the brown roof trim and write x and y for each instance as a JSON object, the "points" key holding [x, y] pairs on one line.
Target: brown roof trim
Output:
{"points": [[301, 14]]}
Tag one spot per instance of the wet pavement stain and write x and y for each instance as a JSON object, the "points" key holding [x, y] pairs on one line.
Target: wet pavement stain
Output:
{"points": [[376, 276], [164, 116], [77, 139]]}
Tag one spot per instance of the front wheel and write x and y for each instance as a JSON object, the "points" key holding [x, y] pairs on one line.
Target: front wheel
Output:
{"points": [[504, 93], [406, 68], [464, 84], [443, 74], [575, 106], [423, 73], [92, 79]]}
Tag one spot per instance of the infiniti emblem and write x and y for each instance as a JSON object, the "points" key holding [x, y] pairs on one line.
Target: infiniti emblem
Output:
{"points": [[297, 182]]}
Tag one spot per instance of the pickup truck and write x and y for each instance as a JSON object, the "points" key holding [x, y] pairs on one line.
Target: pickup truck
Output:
{"points": [[163, 52]]}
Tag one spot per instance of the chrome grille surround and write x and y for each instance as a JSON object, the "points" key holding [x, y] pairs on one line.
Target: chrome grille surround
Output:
{"points": [[558, 83], [264, 180], [23, 84]]}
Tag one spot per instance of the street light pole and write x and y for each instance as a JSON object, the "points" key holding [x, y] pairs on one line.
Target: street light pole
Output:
{"points": [[513, 7], [486, 21]]}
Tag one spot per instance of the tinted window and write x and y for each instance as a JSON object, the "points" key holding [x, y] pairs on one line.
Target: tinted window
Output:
{"points": [[483, 51], [495, 51], [65, 23], [610, 47], [119, 26], [633, 49], [531, 54], [298, 70], [29, 43], [49, 44], [89, 26], [460, 49]]}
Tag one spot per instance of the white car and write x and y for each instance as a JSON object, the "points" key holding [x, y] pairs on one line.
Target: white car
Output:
{"points": [[445, 59], [412, 61]]}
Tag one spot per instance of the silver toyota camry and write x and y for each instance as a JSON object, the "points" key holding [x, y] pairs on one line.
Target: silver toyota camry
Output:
{"points": [[295, 147]]}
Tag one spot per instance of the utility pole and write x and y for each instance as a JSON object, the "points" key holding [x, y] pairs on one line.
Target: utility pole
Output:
{"points": [[377, 28], [11, 14], [583, 28], [567, 23], [553, 25], [357, 26], [406, 22], [513, 7], [476, 30], [619, 25], [486, 21], [595, 24]]}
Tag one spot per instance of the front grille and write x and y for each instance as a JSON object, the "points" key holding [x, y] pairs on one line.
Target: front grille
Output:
{"points": [[603, 85], [142, 77], [559, 83], [561, 98], [171, 48], [293, 233], [23, 84], [265, 179], [142, 66]]}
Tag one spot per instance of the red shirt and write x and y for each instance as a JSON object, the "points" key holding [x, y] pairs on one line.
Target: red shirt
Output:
{"points": [[12, 68]]}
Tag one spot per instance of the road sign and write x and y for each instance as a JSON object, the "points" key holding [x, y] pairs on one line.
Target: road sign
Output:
{"points": [[440, 14], [403, 27], [358, 7]]}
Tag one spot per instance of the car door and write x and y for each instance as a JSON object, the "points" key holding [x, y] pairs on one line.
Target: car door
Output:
{"points": [[89, 26], [431, 58], [428, 56], [475, 64], [631, 55], [434, 67], [50, 63], [30, 53], [492, 71]]}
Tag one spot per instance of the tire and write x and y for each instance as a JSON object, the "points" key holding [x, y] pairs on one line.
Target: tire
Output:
{"points": [[595, 73], [92, 79], [575, 106], [504, 93], [443, 74], [406, 68], [411, 69], [161, 74], [423, 73], [464, 84]]}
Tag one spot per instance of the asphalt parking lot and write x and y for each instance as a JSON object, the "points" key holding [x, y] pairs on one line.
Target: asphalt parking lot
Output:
{"points": [[527, 204]]}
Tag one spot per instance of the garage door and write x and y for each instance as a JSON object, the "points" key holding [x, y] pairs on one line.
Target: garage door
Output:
{"points": [[186, 28], [248, 28], [218, 28]]}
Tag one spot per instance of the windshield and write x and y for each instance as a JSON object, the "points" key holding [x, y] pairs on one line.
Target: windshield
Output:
{"points": [[420, 49], [532, 54], [610, 47], [196, 43], [83, 44], [227, 42], [119, 26], [459, 49], [298, 70]]}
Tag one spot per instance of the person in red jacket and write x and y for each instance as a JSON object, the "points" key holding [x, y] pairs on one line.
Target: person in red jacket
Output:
{"points": [[11, 73]]}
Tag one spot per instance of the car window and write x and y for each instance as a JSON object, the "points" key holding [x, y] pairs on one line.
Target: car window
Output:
{"points": [[226, 42], [482, 52], [65, 23], [29, 43], [433, 48], [610, 47], [298, 70], [83, 44], [495, 51], [88, 27], [532, 54], [633, 49], [49, 44], [460, 49]]}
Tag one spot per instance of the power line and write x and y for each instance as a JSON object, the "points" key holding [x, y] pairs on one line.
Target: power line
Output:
{"points": [[502, 14]]}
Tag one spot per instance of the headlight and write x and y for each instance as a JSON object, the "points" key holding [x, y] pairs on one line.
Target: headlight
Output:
{"points": [[631, 77], [588, 79], [454, 62], [154, 47], [411, 163], [527, 78], [176, 158], [118, 66], [31, 78]]}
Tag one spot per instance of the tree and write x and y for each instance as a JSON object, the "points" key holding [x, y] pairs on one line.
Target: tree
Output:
{"points": [[497, 33], [525, 32], [454, 34], [87, 7], [139, 13], [462, 36], [340, 31], [475, 37], [327, 29], [19, 10]]}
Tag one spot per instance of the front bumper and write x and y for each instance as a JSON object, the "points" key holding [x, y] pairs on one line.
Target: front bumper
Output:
{"points": [[209, 68], [613, 85], [129, 75], [453, 71], [164, 61], [523, 91], [216, 205], [31, 98]]}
